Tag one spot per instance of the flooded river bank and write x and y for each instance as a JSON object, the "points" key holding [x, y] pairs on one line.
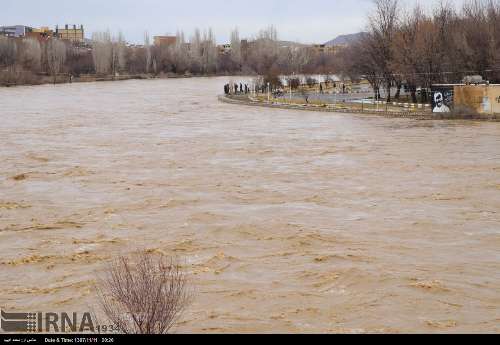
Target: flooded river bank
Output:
{"points": [[287, 221]]}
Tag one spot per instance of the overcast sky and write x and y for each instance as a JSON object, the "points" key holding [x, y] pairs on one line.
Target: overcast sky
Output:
{"points": [[306, 21]]}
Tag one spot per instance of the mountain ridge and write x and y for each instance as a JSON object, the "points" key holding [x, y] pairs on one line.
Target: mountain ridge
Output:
{"points": [[345, 39]]}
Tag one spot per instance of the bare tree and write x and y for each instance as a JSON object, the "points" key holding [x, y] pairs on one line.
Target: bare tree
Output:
{"points": [[202, 52], [494, 21], [236, 47], [79, 61], [144, 294], [32, 54], [8, 60], [109, 53], [196, 52], [8, 51], [408, 47], [298, 58], [180, 58], [147, 47], [383, 25], [357, 61], [119, 54], [102, 52], [56, 57], [263, 56], [209, 52], [478, 35]]}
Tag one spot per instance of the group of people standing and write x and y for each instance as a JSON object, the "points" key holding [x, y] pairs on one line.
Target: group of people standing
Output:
{"points": [[236, 89]]}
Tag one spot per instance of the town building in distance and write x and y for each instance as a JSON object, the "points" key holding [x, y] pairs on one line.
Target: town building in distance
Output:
{"points": [[42, 34], [75, 34], [165, 40], [15, 31]]}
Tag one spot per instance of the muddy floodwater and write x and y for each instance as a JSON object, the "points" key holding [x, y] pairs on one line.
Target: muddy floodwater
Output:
{"points": [[286, 221]]}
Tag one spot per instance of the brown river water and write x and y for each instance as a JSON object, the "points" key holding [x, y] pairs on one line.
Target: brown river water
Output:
{"points": [[286, 221]]}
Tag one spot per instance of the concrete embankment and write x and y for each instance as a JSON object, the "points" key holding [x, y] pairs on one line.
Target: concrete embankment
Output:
{"points": [[346, 110]]}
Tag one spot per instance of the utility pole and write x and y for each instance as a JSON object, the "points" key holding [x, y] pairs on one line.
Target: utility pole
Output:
{"points": [[269, 92]]}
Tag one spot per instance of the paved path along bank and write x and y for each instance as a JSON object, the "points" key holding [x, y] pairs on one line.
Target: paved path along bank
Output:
{"points": [[332, 109]]}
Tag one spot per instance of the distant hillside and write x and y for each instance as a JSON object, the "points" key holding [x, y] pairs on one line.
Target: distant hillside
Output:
{"points": [[291, 44], [345, 39]]}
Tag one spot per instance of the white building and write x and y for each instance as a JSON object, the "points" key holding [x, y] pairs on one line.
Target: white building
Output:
{"points": [[15, 30]]}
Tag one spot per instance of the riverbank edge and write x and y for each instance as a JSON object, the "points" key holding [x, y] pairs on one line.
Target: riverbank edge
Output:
{"points": [[64, 79], [304, 107]]}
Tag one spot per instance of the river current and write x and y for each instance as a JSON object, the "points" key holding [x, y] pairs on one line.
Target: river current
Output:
{"points": [[286, 221]]}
